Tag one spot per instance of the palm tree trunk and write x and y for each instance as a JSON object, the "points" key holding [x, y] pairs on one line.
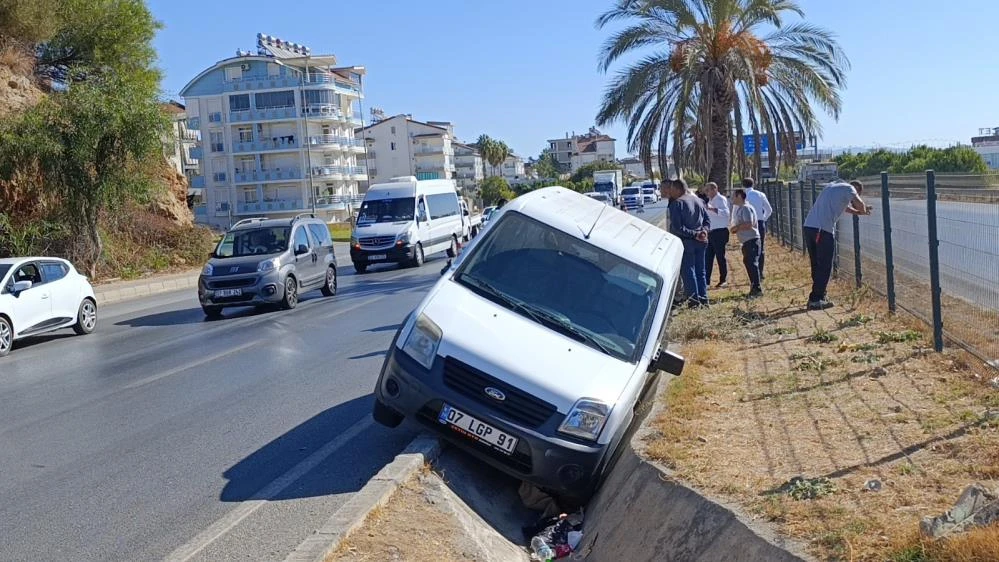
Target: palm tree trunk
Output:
{"points": [[721, 137]]}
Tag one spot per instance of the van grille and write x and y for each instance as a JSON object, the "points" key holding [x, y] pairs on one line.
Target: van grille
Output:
{"points": [[519, 406], [232, 283], [377, 241]]}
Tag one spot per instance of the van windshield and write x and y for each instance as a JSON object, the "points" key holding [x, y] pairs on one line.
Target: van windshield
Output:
{"points": [[387, 210], [253, 242], [629, 191], [565, 284]]}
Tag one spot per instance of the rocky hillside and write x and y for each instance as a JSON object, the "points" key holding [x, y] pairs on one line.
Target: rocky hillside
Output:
{"points": [[17, 91]]}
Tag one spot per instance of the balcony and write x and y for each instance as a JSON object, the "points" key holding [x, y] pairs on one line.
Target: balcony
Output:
{"points": [[328, 141], [271, 114], [277, 174], [222, 209], [330, 172], [274, 206], [194, 123], [432, 151], [338, 202], [324, 111], [198, 182], [275, 143], [358, 172], [200, 213], [465, 164], [247, 83]]}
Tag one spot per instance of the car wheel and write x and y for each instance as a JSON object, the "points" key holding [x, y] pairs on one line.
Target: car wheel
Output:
{"points": [[212, 312], [418, 257], [329, 287], [385, 415], [360, 267], [6, 336], [86, 318], [290, 299], [453, 250]]}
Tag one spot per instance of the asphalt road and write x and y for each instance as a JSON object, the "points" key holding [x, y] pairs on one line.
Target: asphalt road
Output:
{"points": [[166, 436]]}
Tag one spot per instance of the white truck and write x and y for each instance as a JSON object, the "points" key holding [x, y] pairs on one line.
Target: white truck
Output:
{"points": [[471, 222], [821, 172], [610, 182]]}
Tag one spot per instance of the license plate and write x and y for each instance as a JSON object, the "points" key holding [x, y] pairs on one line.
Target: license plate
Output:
{"points": [[376, 257], [223, 293], [471, 427]]}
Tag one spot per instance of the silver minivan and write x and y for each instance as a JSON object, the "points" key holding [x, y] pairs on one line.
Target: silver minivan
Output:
{"points": [[263, 261]]}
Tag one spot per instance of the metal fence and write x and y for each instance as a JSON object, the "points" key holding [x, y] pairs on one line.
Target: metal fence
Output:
{"points": [[931, 247]]}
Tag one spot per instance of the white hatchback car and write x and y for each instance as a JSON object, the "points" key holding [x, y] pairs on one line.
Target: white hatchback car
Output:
{"points": [[535, 348], [39, 295]]}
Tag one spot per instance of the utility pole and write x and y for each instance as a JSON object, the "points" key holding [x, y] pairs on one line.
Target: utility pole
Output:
{"points": [[306, 139]]}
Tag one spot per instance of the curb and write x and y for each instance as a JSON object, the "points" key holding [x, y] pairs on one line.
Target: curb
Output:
{"points": [[118, 292], [376, 493]]}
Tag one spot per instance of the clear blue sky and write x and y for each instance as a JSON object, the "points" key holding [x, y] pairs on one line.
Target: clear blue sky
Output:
{"points": [[525, 71]]}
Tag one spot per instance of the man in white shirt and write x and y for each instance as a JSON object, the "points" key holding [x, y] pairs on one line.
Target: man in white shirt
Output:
{"points": [[718, 212], [761, 205]]}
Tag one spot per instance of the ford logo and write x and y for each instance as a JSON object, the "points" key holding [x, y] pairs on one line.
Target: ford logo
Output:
{"points": [[495, 393]]}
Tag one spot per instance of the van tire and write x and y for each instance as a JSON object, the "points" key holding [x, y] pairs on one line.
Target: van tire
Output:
{"points": [[329, 282], [453, 250], [290, 299], [385, 415], [418, 257]]}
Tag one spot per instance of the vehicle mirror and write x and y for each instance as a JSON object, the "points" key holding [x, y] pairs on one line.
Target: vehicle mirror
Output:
{"points": [[668, 361], [21, 286], [301, 249]]}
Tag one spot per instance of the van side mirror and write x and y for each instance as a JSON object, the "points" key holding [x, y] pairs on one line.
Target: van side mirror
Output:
{"points": [[301, 249], [20, 286], [668, 361]]}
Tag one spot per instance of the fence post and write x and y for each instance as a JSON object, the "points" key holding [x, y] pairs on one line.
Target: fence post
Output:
{"points": [[857, 271], [889, 259], [931, 231], [790, 214], [774, 226], [801, 211]]}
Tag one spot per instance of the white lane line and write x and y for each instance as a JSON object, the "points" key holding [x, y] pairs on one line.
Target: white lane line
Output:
{"points": [[230, 520], [189, 366]]}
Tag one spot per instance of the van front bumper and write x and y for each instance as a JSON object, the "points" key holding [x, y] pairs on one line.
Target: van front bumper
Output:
{"points": [[393, 254], [542, 456], [254, 289]]}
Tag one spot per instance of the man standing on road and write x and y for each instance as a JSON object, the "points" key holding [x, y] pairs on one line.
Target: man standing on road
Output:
{"points": [[761, 205], [820, 232], [689, 221], [746, 226], [718, 212]]}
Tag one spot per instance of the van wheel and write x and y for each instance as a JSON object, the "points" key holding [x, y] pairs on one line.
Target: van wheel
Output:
{"points": [[329, 287], [453, 250], [6, 336], [418, 257], [86, 318], [385, 415], [290, 299], [360, 267]]}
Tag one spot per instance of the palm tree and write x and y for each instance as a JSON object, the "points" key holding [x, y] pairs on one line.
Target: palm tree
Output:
{"points": [[721, 66], [500, 152], [486, 146]]}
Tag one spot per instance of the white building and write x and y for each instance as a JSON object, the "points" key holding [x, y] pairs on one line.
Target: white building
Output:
{"points": [[512, 169], [468, 163], [401, 146], [987, 144], [633, 166], [276, 134], [575, 151], [179, 142]]}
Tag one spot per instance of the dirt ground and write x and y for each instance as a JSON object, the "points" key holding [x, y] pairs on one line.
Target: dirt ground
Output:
{"points": [[880, 429]]}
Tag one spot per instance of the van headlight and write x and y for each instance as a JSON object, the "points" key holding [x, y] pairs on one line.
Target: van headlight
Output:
{"points": [[422, 341], [208, 270], [586, 419], [267, 265], [405, 237]]}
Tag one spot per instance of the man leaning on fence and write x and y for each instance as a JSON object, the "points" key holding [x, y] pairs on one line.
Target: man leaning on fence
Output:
{"points": [[820, 233]]}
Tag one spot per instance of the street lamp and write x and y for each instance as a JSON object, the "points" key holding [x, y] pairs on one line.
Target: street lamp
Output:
{"points": [[305, 137]]}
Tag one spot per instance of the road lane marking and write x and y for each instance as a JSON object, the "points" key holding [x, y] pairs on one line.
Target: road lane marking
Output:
{"points": [[230, 520], [189, 366]]}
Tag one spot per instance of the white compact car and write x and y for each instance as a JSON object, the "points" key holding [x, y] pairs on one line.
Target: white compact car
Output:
{"points": [[534, 349], [39, 295]]}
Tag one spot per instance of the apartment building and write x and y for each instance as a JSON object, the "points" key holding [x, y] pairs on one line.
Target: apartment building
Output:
{"points": [[401, 146], [178, 143], [276, 134], [468, 163], [575, 151], [512, 169]]}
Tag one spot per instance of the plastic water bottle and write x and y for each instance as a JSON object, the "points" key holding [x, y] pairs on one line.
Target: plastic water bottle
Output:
{"points": [[540, 549]]}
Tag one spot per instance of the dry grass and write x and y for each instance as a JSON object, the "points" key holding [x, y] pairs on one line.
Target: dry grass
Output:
{"points": [[18, 60], [772, 392]]}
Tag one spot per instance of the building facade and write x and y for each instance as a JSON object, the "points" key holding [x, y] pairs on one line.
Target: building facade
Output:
{"points": [[401, 146], [468, 163], [276, 132], [575, 151], [987, 144], [179, 142], [634, 167], [512, 169]]}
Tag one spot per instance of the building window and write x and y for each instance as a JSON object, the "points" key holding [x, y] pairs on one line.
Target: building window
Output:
{"points": [[239, 102], [270, 100], [233, 73], [249, 195], [393, 131], [216, 140], [322, 97], [245, 134], [391, 146]]}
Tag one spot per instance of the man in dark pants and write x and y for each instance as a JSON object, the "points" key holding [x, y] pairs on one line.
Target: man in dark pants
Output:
{"points": [[761, 205], [688, 221], [746, 227], [820, 233], [718, 211]]}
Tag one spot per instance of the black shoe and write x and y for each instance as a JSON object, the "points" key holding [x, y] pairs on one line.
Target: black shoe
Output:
{"points": [[819, 305], [755, 294]]}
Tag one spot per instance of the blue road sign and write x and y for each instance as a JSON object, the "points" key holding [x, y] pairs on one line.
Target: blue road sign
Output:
{"points": [[749, 143]]}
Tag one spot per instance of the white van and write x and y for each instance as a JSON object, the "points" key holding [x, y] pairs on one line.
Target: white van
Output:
{"points": [[535, 349], [405, 220]]}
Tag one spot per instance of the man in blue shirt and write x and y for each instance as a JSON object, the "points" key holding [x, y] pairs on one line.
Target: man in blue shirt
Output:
{"points": [[689, 221], [820, 233]]}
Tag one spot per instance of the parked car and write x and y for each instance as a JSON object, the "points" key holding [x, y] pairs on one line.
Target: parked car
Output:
{"points": [[39, 295], [268, 261], [533, 350], [405, 220], [601, 196]]}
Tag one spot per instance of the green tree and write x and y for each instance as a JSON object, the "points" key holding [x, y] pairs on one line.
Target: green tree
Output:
{"points": [[547, 165], [585, 171], [729, 63], [495, 188], [29, 22]]}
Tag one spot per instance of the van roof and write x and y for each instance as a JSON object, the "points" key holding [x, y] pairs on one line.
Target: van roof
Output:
{"points": [[409, 188], [606, 227]]}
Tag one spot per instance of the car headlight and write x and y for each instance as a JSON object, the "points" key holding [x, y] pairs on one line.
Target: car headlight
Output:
{"points": [[405, 237], [586, 419], [267, 265], [422, 341], [208, 270]]}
